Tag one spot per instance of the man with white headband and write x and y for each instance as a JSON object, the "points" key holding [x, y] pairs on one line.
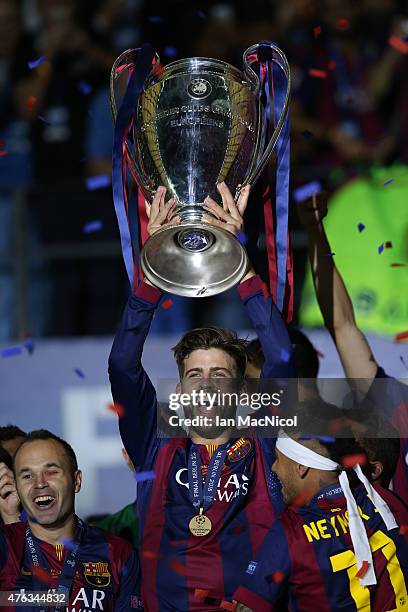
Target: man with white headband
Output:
{"points": [[333, 548]]}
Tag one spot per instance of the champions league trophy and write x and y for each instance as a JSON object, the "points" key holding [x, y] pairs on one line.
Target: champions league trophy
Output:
{"points": [[190, 125]]}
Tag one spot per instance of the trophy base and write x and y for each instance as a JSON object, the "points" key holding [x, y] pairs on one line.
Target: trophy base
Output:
{"points": [[193, 260]]}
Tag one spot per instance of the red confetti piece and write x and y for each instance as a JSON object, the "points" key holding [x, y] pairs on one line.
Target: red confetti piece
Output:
{"points": [[317, 31], [119, 69], [228, 605], [342, 24], [116, 408], [41, 574], [363, 570], [200, 593], [178, 567], [278, 576], [403, 530], [301, 499], [318, 74], [31, 102], [398, 44], [401, 336], [350, 461], [167, 304], [331, 65]]}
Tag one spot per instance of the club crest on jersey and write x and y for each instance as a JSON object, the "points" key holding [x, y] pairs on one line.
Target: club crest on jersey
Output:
{"points": [[97, 574], [239, 450], [251, 568]]}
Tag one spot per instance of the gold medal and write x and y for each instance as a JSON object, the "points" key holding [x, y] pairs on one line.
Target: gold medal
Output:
{"points": [[200, 525]]}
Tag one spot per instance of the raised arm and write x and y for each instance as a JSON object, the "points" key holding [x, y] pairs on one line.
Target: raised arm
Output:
{"points": [[333, 298], [130, 385]]}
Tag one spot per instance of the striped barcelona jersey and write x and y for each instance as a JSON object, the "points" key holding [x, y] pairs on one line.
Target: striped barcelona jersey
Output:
{"points": [[106, 575], [307, 557]]}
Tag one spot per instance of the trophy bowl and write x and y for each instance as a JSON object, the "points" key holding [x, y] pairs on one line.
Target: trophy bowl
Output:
{"points": [[198, 122]]}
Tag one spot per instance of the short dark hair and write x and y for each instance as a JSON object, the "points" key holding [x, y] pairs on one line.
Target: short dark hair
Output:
{"points": [[211, 337], [44, 434], [6, 458], [9, 432]]}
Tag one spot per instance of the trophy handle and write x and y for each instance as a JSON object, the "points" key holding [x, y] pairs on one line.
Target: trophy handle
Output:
{"points": [[280, 59]]}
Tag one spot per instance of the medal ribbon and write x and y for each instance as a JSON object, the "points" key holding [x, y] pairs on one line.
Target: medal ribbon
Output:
{"points": [[204, 498], [70, 564]]}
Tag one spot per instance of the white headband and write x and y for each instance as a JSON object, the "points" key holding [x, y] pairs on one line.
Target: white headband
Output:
{"points": [[309, 458]]}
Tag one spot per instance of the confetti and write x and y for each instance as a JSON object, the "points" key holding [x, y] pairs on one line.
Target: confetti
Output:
{"points": [[31, 102], [398, 44], [36, 62], [349, 461], [388, 244], [98, 181], [306, 191], [307, 134], [401, 336], [178, 567], [403, 529], [380, 248], [397, 265], [29, 346], [167, 304], [142, 476], [361, 227], [388, 182], [342, 24], [155, 19], [242, 237], [363, 570], [79, 373], [276, 577], [228, 605], [84, 87], [117, 409], [11, 351], [170, 51], [317, 31], [92, 227], [317, 74]]}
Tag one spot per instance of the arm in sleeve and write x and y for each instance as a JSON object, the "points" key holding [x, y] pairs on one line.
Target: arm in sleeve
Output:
{"points": [[130, 385], [270, 328], [129, 587], [265, 581]]}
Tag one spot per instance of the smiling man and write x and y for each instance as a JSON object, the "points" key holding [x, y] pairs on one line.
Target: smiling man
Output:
{"points": [[55, 549]]}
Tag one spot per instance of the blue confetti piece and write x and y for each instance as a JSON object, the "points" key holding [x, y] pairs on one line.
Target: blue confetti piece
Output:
{"points": [[306, 191], [79, 373], [92, 226], [29, 346], [97, 182], [36, 62], [170, 51], [361, 227], [284, 356], [68, 544], [155, 19], [388, 182], [84, 88], [141, 476], [242, 237], [326, 438], [380, 248], [11, 351]]}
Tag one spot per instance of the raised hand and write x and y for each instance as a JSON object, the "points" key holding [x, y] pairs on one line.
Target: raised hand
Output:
{"points": [[9, 499], [229, 216], [160, 213]]}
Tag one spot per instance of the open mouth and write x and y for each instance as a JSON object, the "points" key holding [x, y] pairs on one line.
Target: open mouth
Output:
{"points": [[44, 501]]}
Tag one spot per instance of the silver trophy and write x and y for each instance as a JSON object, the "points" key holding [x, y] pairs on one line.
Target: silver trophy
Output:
{"points": [[198, 122]]}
